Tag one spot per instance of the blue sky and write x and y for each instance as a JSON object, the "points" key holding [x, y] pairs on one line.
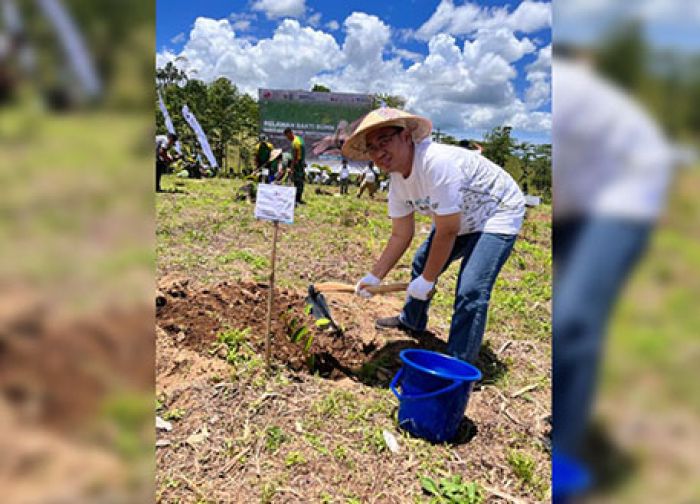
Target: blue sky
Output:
{"points": [[468, 66]]}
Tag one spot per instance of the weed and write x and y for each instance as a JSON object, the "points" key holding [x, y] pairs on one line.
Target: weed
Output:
{"points": [[523, 466], [174, 414], [235, 342], [452, 490], [316, 443], [257, 262], [374, 440], [340, 452], [274, 437], [294, 458], [334, 403]]}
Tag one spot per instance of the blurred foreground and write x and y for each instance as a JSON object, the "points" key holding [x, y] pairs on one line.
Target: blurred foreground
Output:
{"points": [[626, 94], [76, 252]]}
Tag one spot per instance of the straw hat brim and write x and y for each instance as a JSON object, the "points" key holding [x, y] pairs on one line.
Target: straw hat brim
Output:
{"points": [[275, 154], [355, 146]]}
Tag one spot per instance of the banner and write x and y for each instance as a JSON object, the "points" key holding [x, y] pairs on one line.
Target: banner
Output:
{"points": [[323, 120], [73, 44], [192, 121], [168, 122]]}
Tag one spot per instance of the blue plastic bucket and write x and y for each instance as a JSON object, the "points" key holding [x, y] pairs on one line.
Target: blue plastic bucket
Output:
{"points": [[432, 414], [569, 479], [426, 371]]}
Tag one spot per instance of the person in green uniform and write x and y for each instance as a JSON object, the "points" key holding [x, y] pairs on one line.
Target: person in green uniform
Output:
{"points": [[298, 163], [263, 159]]}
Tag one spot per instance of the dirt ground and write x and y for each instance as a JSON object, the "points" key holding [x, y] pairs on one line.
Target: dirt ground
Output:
{"points": [[330, 416], [66, 382]]}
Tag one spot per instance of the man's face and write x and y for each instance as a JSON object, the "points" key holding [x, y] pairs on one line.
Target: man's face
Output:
{"points": [[390, 149], [289, 135]]}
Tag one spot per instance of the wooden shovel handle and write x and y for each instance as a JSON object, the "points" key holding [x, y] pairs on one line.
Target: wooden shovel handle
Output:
{"points": [[374, 289]]}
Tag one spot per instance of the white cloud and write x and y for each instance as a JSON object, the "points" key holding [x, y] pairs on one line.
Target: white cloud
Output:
{"points": [[287, 60], [530, 17], [460, 86], [178, 39], [274, 9], [333, 25], [241, 25], [539, 77], [163, 58], [499, 41], [465, 19], [314, 20], [408, 55]]}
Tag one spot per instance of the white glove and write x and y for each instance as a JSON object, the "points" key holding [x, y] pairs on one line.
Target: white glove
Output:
{"points": [[420, 288], [368, 279]]}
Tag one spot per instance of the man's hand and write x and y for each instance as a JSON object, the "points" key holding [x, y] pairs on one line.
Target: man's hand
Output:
{"points": [[420, 288], [368, 280]]}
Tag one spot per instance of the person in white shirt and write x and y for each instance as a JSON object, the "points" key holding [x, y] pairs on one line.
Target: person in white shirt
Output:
{"points": [[368, 181], [477, 210], [344, 177], [612, 166], [163, 157]]}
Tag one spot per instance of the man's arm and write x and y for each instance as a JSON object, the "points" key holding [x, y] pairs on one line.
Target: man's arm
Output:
{"points": [[446, 230], [401, 237], [164, 155]]}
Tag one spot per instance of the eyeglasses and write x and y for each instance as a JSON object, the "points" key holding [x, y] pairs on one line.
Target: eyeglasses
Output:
{"points": [[382, 142]]}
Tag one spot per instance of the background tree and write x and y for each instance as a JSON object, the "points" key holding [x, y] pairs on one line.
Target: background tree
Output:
{"points": [[498, 145], [392, 101]]}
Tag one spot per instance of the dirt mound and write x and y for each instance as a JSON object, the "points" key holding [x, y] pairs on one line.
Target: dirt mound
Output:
{"points": [[57, 370], [198, 318]]}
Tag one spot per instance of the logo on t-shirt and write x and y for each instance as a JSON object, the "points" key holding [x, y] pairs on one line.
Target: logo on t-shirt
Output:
{"points": [[423, 205]]}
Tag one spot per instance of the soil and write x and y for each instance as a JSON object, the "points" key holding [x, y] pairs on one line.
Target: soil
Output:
{"points": [[194, 318], [194, 462]]}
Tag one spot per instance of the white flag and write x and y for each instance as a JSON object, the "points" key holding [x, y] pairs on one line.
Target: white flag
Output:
{"points": [[192, 121], [73, 44], [168, 121]]}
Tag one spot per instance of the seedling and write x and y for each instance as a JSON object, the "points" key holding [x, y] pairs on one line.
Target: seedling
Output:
{"points": [[174, 414], [274, 437], [452, 490]]}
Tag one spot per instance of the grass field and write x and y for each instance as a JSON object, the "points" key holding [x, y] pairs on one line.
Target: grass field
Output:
{"points": [[295, 437]]}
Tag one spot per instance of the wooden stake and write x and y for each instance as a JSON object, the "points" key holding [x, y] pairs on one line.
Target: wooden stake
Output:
{"points": [[270, 297]]}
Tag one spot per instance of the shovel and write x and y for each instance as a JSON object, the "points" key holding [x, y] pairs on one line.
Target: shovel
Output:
{"points": [[319, 306]]}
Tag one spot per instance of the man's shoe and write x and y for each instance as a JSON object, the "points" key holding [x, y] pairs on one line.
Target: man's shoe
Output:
{"points": [[395, 323], [388, 323]]}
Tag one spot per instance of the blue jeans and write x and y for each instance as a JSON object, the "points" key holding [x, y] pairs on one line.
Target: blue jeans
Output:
{"points": [[592, 259], [483, 255]]}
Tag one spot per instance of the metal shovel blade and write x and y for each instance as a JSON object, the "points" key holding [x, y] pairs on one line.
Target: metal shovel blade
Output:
{"points": [[319, 307]]}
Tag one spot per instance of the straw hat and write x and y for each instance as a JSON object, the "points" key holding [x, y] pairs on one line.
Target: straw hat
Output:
{"points": [[275, 154], [355, 146]]}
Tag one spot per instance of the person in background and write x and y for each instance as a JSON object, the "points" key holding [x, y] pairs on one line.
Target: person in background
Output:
{"points": [[477, 211], [263, 158], [344, 177], [368, 181], [163, 157], [609, 193], [298, 163]]}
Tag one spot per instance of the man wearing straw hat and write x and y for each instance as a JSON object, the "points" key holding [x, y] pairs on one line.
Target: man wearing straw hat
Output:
{"points": [[477, 210]]}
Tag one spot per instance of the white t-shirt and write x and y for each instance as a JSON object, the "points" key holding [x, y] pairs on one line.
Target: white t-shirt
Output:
{"points": [[446, 179], [344, 173], [161, 143], [369, 175], [609, 158]]}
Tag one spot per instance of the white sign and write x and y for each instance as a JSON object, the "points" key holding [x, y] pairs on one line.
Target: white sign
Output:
{"points": [[532, 201], [275, 203]]}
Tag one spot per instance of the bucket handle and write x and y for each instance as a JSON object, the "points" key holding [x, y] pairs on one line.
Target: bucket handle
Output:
{"points": [[401, 397]]}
